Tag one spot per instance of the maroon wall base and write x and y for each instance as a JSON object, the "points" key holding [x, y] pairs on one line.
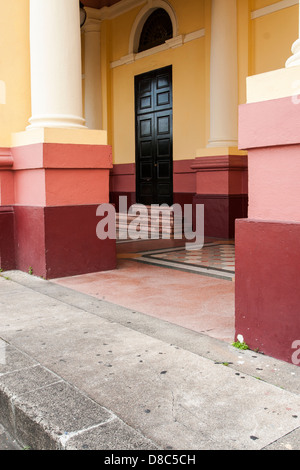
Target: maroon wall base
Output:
{"points": [[220, 213], [178, 198], [123, 183], [61, 241], [268, 286], [114, 199], [7, 241]]}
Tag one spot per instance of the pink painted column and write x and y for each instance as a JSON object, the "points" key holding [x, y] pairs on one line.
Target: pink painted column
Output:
{"points": [[58, 187], [268, 242]]}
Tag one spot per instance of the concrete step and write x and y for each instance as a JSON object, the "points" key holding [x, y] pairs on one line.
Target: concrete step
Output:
{"points": [[159, 222], [147, 224]]}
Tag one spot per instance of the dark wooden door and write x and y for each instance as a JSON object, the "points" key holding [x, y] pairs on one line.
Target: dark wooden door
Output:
{"points": [[154, 137]]}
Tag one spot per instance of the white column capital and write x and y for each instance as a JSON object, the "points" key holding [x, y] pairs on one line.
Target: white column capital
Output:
{"points": [[55, 53]]}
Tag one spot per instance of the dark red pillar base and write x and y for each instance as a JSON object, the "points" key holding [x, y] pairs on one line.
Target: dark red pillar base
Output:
{"points": [[61, 241], [7, 239], [268, 286], [220, 213]]}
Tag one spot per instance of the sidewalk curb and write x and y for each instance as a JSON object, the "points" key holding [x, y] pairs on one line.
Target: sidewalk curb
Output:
{"points": [[41, 411]]}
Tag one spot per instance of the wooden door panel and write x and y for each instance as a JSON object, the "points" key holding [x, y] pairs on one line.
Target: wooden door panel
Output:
{"points": [[154, 139]]}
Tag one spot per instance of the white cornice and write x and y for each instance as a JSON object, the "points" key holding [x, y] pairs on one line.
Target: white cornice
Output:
{"points": [[194, 35], [118, 9], [108, 13], [273, 8]]}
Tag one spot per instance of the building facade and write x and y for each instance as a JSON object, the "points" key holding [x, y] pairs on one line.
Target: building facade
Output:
{"points": [[162, 101]]}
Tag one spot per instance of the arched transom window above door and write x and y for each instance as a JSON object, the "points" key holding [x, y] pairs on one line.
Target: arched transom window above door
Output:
{"points": [[154, 25], [157, 30]]}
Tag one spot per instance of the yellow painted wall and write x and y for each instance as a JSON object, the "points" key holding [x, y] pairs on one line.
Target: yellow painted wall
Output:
{"points": [[264, 44], [272, 37], [14, 68], [188, 100], [189, 84]]}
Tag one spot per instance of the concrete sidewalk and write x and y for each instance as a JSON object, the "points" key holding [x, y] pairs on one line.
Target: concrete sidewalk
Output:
{"points": [[6, 442], [80, 373]]}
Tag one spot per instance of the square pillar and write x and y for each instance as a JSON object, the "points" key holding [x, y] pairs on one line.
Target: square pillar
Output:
{"points": [[222, 186], [268, 243], [61, 176]]}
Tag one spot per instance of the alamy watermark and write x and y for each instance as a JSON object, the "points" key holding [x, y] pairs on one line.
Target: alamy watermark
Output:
{"points": [[296, 354], [179, 224]]}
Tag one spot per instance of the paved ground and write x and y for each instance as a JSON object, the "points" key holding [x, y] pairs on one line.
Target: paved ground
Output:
{"points": [[194, 294], [6, 441], [77, 372]]}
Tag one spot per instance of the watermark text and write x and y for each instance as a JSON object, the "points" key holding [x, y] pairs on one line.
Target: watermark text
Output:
{"points": [[296, 354], [158, 221]]}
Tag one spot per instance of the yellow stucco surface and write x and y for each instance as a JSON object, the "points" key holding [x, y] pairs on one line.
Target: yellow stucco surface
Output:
{"points": [[188, 100], [272, 39], [264, 44], [14, 68]]}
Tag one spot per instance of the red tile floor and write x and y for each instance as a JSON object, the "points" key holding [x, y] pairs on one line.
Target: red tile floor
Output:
{"points": [[193, 289]]}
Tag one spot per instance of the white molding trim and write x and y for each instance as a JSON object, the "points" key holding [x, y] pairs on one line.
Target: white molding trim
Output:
{"points": [[194, 35], [273, 8], [177, 41], [108, 13]]}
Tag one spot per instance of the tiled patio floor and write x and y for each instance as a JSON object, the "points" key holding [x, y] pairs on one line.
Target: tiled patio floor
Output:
{"points": [[192, 289], [214, 259]]}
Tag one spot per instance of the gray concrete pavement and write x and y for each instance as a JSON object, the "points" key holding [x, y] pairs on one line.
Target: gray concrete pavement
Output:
{"points": [[6, 441], [80, 373]]}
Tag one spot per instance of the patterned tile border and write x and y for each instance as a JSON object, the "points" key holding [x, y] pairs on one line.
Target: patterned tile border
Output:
{"points": [[197, 262]]}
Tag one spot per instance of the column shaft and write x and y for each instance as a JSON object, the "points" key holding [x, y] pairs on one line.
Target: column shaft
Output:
{"points": [[92, 74], [223, 75], [56, 77]]}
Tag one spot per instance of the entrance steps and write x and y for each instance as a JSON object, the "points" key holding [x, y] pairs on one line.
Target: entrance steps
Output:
{"points": [[158, 223]]}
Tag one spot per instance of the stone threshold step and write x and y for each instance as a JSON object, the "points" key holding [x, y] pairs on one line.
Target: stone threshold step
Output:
{"points": [[41, 411]]}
